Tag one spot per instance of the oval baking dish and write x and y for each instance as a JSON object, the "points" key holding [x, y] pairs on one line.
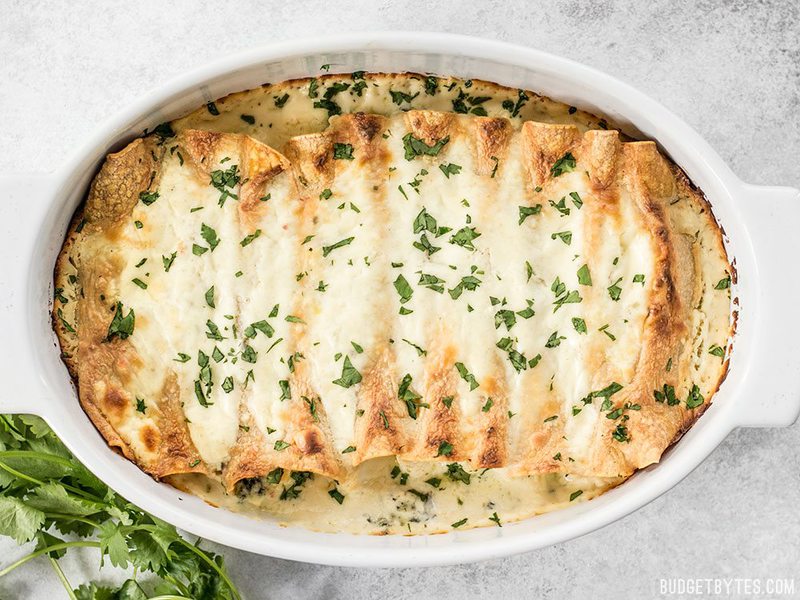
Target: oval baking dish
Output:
{"points": [[762, 387]]}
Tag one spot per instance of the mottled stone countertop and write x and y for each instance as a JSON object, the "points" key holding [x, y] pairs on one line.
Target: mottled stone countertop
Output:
{"points": [[729, 68]]}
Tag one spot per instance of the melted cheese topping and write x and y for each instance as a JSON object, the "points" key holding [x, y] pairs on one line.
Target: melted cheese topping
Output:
{"points": [[198, 287]]}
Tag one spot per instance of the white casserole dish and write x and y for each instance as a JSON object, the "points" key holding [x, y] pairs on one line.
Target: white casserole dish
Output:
{"points": [[762, 387]]}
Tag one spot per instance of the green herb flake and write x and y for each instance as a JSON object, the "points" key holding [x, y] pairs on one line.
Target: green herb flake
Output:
{"points": [[554, 340], [403, 288], [326, 250], [249, 238], [716, 350], [409, 397], [467, 376], [614, 291], [564, 236], [224, 181], [445, 449], [343, 151], [121, 326], [209, 295], [213, 332], [416, 147], [336, 495], [286, 392], [584, 276], [450, 169], [350, 375], [399, 97], [695, 398], [209, 235], [605, 330], [148, 198], [527, 211], [565, 164], [464, 237]]}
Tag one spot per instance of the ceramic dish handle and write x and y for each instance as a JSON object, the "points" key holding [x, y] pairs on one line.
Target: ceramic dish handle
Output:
{"points": [[771, 397], [23, 205]]}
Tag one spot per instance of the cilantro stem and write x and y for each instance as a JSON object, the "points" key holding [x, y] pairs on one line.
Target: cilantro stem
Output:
{"points": [[69, 517], [178, 584], [46, 550], [16, 473], [62, 577]]}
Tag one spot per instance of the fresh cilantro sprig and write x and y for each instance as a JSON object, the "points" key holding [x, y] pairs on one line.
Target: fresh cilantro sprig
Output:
{"points": [[45, 493]]}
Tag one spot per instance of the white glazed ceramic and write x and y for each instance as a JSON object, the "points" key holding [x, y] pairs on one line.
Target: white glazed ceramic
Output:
{"points": [[762, 388]]}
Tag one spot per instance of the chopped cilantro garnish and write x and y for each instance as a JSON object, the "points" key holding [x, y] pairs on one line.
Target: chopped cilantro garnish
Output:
{"points": [[614, 290], [224, 181], [563, 165], [584, 276], [554, 340], [467, 376], [148, 198], [249, 238], [564, 236], [341, 243], [695, 398], [350, 375], [527, 211], [343, 151], [445, 449], [416, 147], [209, 296], [464, 237], [409, 396], [403, 289], [450, 169], [209, 235], [121, 326]]}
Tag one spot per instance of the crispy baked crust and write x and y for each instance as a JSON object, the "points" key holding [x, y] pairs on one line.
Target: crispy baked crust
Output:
{"points": [[630, 185]]}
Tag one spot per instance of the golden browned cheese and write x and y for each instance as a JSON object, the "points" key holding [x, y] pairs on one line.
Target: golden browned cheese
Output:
{"points": [[488, 313]]}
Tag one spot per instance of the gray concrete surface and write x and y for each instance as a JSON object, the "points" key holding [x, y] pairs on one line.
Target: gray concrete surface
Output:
{"points": [[731, 69]]}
